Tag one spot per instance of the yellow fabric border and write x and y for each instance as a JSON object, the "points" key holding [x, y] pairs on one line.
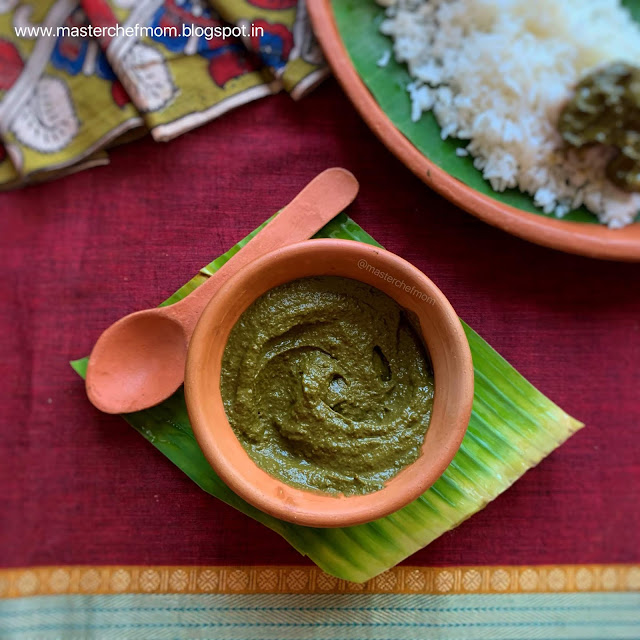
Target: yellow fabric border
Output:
{"points": [[88, 580]]}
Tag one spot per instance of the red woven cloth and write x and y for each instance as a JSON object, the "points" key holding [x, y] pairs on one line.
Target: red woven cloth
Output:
{"points": [[78, 486]]}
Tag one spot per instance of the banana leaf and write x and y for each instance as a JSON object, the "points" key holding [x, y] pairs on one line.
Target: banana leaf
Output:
{"points": [[358, 22], [512, 428]]}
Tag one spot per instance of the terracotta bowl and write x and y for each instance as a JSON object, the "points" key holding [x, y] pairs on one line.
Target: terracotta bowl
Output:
{"points": [[443, 336]]}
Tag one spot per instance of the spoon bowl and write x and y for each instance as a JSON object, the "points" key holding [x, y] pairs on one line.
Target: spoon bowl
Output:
{"points": [[118, 384]]}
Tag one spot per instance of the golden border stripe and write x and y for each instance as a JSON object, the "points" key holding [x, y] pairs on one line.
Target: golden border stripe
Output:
{"points": [[15, 583]]}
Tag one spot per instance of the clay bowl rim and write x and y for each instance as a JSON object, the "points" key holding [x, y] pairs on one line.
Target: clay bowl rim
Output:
{"points": [[446, 343]]}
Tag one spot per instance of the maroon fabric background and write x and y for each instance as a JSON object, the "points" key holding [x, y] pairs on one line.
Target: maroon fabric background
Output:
{"points": [[77, 486]]}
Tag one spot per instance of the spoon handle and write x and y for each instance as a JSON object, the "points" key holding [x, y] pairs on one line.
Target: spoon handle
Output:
{"points": [[320, 201]]}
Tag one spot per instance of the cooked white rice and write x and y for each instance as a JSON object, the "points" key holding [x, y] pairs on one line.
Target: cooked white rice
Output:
{"points": [[497, 73]]}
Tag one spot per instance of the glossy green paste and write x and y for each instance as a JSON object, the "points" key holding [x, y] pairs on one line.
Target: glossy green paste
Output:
{"points": [[606, 110], [327, 385]]}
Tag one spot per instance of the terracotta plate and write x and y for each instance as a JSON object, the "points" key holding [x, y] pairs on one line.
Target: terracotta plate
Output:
{"points": [[583, 238]]}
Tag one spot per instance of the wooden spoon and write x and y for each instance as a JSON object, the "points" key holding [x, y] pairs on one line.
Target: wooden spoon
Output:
{"points": [[139, 360]]}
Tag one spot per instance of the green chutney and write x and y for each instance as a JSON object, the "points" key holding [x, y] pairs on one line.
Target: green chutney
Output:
{"points": [[606, 110], [327, 385]]}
